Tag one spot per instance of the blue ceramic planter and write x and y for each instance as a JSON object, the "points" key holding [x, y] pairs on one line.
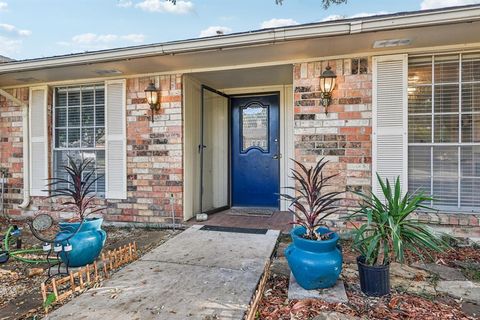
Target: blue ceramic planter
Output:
{"points": [[315, 264], [86, 244]]}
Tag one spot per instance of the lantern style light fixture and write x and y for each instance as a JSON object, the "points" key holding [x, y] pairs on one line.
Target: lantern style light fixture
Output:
{"points": [[151, 93], [328, 80]]}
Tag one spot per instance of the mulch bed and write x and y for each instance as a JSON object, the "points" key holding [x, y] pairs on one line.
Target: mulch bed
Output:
{"points": [[398, 305], [449, 257], [276, 306]]}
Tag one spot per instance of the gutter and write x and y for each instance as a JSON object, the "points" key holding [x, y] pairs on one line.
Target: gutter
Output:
{"points": [[26, 154], [259, 37]]}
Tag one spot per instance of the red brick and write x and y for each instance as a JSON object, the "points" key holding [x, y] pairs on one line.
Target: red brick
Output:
{"points": [[350, 115]]}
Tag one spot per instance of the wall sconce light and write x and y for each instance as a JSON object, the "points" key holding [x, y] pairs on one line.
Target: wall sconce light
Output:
{"points": [[328, 80], [151, 93]]}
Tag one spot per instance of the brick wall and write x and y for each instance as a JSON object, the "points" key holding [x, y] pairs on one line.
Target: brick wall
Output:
{"points": [[154, 154], [155, 150], [344, 138], [11, 149], [154, 157]]}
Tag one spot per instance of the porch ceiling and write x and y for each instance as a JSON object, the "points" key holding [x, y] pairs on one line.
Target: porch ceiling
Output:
{"points": [[276, 53], [250, 77]]}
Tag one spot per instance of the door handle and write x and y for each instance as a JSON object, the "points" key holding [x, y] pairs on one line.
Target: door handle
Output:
{"points": [[277, 156], [200, 147]]}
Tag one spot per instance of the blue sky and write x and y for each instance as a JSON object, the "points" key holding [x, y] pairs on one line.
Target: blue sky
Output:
{"points": [[39, 28]]}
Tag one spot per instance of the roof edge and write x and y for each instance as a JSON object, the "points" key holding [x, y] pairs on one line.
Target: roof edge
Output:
{"points": [[384, 22]]}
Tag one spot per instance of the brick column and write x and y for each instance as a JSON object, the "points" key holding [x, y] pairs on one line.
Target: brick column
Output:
{"points": [[343, 136]]}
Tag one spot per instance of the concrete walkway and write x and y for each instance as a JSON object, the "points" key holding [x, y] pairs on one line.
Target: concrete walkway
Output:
{"points": [[198, 274]]}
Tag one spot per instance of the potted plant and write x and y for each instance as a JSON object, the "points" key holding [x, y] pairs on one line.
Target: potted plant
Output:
{"points": [[82, 238], [314, 255], [387, 232]]}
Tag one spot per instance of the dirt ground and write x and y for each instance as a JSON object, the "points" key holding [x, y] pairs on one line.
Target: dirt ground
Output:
{"points": [[20, 296]]}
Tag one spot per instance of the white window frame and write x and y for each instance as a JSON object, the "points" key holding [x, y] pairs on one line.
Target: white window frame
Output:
{"points": [[54, 148], [459, 144]]}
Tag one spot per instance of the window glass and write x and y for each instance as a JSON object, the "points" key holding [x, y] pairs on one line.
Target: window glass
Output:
{"points": [[255, 127], [79, 129], [471, 67], [446, 69], [419, 159], [471, 97], [420, 71], [445, 164], [420, 128], [420, 99], [446, 128], [359, 66]]}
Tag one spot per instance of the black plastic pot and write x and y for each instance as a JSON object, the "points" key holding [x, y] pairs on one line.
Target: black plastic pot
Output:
{"points": [[374, 280]]}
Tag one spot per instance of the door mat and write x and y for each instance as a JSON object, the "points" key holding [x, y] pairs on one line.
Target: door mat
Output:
{"points": [[234, 229], [249, 212]]}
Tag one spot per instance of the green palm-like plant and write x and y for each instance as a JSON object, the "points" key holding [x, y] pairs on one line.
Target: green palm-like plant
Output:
{"points": [[78, 188], [311, 205], [388, 232]]}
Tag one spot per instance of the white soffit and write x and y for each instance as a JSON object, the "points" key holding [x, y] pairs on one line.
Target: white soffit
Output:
{"points": [[250, 77]]}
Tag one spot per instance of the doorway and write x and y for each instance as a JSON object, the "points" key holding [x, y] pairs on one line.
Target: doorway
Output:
{"points": [[216, 190], [255, 151]]}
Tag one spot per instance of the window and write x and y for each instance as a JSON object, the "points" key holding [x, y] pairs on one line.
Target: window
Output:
{"points": [[255, 127], [79, 128], [444, 129], [359, 66]]}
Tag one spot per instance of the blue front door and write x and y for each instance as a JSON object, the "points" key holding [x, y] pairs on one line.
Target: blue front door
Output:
{"points": [[255, 151]]}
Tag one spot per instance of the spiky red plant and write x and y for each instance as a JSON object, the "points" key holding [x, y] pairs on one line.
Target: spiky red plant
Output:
{"points": [[78, 188], [311, 203]]}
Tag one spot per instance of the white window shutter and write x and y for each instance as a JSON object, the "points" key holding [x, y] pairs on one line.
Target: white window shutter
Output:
{"points": [[390, 128], [38, 140], [116, 140]]}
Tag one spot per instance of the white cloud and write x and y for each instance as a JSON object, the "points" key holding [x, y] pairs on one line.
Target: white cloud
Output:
{"points": [[357, 15], [134, 37], [125, 3], [333, 17], [182, 7], [89, 38], [93, 38], [368, 14], [433, 4], [214, 30], [11, 29], [9, 46], [3, 6], [276, 23], [93, 41]]}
